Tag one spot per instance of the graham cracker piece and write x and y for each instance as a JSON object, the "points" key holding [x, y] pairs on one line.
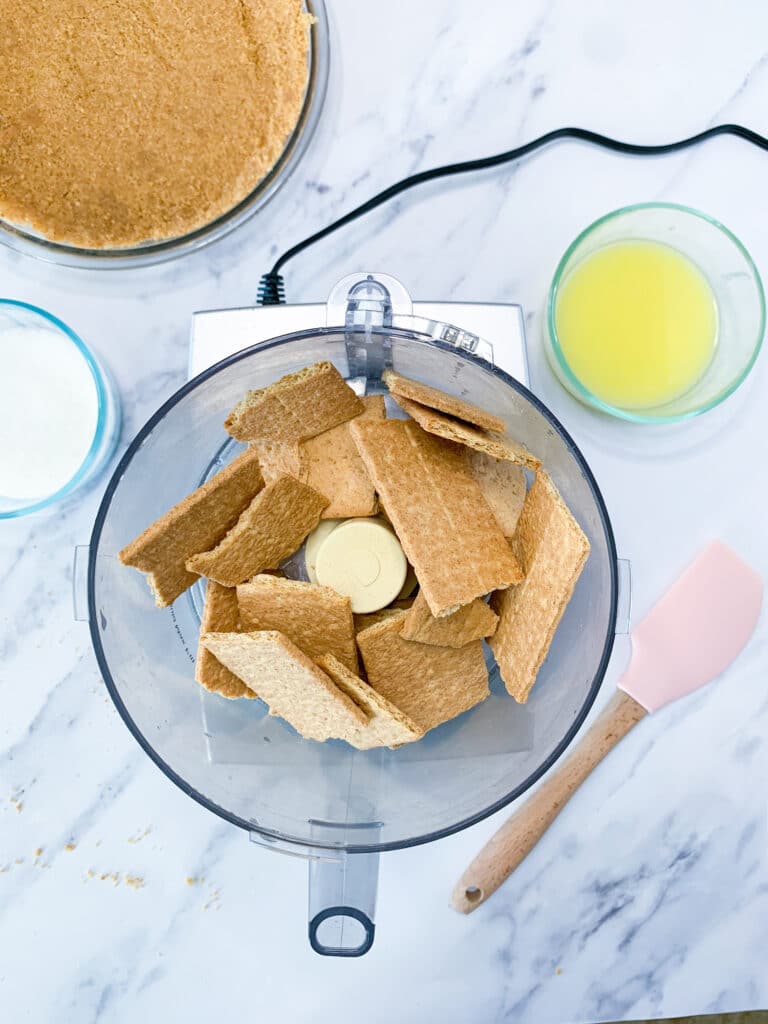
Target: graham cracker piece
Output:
{"points": [[335, 469], [503, 485], [365, 619], [288, 681], [316, 619], [553, 549], [472, 622], [459, 408], [296, 407], [330, 463], [387, 726], [280, 458], [443, 522], [220, 615], [198, 522], [270, 529], [496, 445], [429, 684]]}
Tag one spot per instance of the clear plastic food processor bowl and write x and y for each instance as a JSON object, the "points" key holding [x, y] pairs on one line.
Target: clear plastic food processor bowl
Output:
{"points": [[335, 805]]}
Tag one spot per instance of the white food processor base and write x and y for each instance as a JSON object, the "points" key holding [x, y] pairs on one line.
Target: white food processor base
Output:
{"points": [[218, 333]]}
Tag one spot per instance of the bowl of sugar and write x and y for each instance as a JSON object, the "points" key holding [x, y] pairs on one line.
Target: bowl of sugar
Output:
{"points": [[59, 412]]}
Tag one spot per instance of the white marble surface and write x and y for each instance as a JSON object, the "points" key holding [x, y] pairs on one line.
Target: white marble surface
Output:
{"points": [[650, 894]]}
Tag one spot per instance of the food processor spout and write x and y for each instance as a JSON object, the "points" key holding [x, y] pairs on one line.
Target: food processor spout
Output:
{"points": [[342, 903]]}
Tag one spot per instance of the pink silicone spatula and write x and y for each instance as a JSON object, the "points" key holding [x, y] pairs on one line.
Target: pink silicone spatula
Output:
{"points": [[692, 635]]}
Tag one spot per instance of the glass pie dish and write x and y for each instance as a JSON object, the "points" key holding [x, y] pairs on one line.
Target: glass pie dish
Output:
{"points": [[25, 240]]}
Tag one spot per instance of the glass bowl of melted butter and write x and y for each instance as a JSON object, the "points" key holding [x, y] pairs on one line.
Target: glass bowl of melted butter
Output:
{"points": [[656, 313]]}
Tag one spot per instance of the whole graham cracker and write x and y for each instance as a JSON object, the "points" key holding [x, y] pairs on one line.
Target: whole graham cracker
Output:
{"points": [[447, 530], [404, 387], [122, 123], [270, 529], [387, 726], [330, 463], [288, 681], [296, 407], [496, 445], [553, 549], [198, 522], [317, 619], [503, 485], [220, 615], [429, 684], [472, 622]]}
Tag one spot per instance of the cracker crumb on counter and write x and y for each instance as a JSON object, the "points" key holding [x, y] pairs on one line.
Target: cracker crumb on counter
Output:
{"points": [[137, 838], [214, 903]]}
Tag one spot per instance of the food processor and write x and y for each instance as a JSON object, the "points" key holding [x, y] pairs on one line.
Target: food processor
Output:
{"points": [[336, 806]]}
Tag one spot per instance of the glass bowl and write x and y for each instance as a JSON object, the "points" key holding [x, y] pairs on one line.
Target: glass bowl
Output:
{"points": [[21, 322], [731, 275], [31, 243]]}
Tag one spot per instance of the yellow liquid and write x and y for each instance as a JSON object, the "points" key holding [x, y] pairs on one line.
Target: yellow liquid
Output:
{"points": [[637, 323]]}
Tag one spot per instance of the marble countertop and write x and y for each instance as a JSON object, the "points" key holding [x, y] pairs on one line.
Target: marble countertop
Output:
{"points": [[649, 896]]}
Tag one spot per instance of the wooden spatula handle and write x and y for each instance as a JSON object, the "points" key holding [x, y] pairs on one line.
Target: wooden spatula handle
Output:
{"points": [[520, 833]]}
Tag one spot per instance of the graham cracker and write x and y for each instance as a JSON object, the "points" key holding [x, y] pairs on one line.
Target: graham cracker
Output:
{"points": [[365, 619], [288, 681], [280, 458], [496, 445], [459, 408], [317, 619], [387, 726], [198, 522], [503, 485], [429, 684], [296, 407], [335, 469], [220, 615], [330, 463], [270, 529], [553, 549], [443, 522], [472, 622]]}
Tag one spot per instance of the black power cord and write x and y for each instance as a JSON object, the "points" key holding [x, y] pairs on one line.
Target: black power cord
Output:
{"points": [[272, 287]]}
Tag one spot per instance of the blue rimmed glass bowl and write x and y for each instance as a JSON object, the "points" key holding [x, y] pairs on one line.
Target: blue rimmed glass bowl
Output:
{"points": [[24, 323]]}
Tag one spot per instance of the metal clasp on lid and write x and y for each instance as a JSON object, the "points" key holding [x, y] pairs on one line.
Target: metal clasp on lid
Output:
{"points": [[457, 337]]}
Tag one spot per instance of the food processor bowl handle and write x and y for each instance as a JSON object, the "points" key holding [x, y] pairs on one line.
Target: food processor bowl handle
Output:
{"points": [[342, 903]]}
